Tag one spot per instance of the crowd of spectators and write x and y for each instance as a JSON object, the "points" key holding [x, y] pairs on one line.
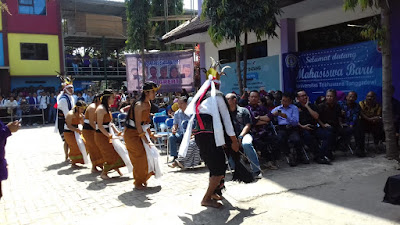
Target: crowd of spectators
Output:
{"points": [[87, 65], [269, 125]]}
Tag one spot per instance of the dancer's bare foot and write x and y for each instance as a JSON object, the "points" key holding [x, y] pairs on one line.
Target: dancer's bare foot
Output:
{"points": [[216, 197], [104, 176], [211, 203], [173, 165], [119, 172], [139, 187], [94, 170]]}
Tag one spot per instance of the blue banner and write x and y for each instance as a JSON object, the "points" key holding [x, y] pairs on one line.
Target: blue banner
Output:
{"points": [[262, 73], [355, 67]]}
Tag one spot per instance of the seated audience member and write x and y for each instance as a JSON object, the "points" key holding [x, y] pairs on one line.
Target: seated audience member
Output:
{"points": [[3, 107], [11, 105], [308, 117], [371, 119], [330, 121], [288, 121], [262, 135], [241, 121], [351, 113], [278, 97], [177, 129]]}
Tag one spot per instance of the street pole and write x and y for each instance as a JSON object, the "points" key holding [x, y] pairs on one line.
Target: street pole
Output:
{"points": [[105, 59]]}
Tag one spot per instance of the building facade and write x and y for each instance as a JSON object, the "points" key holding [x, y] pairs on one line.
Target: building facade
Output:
{"points": [[30, 44]]}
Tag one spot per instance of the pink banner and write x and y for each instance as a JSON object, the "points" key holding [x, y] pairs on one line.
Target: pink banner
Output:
{"points": [[173, 70]]}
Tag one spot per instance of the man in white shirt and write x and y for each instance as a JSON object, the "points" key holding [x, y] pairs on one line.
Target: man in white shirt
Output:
{"points": [[43, 100], [65, 102]]}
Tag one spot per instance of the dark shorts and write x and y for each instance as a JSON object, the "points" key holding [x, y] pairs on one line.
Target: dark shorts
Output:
{"points": [[213, 156], [61, 123]]}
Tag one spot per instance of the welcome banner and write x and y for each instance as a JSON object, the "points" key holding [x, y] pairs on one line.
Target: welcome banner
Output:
{"points": [[355, 67], [262, 73], [173, 70]]}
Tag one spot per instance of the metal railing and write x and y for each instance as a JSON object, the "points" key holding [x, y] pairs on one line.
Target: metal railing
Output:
{"points": [[11, 113], [96, 71]]}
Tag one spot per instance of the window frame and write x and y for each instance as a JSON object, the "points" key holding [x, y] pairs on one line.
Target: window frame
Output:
{"points": [[35, 51], [33, 8]]}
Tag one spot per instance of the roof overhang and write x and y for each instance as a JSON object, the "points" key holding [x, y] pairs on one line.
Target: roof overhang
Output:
{"points": [[189, 31]]}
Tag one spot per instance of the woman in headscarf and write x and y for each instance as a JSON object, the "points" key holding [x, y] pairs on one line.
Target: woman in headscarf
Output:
{"points": [[143, 154], [102, 137], [72, 120], [89, 130]]}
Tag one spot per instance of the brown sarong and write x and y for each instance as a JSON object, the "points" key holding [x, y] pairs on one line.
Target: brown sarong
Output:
{"points": [[91, 148]]}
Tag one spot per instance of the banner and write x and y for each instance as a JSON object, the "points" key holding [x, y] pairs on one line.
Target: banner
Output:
{"points": [[173, 70], [355, 67], [262, 73]]}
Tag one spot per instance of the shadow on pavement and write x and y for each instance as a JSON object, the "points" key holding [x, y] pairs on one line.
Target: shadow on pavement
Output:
{"points": [[138, 198], [102, 184], [219, 216], [88, 177], [71, 170], [57, 166]]}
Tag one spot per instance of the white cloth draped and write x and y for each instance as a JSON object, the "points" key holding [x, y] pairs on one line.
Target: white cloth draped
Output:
{"points": [[152, 155], [120, 148], [82, 147]]}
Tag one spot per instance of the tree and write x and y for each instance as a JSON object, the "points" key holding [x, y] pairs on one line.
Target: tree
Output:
{"points": [[230, 19], [381, 32], [138, 13], [159, 28]]}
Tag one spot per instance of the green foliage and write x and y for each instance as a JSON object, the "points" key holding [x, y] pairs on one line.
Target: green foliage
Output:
{"points": [[137, 13], [229, 19], [175, 7], [364, 4], [373, 29]]}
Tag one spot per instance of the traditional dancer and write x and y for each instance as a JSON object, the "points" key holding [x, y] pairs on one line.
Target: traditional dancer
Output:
{"points": [[102, 137], [65, 102], [208, 107], [77, 153], [5, 132], [142, 152], [89, 130]]}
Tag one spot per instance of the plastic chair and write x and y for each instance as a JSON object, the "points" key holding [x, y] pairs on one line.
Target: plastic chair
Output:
{"points": [[157, 121], [161, 110], [121, 119], [115, 116]]}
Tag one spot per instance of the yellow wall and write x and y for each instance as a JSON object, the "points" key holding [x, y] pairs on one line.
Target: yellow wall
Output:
{"points": [[1, 21], [20, 67]]}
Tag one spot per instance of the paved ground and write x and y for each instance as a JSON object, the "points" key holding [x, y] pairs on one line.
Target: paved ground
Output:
{"points": [[42, 189]]}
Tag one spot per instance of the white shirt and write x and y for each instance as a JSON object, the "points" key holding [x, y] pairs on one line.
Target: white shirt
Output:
{"points": [[43, 102], [3, 103], [12, 104], [63, 105]]}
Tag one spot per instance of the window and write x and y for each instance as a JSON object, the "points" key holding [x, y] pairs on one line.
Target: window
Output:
{"points": [[33, 7], [254, 50], [34, 51]]}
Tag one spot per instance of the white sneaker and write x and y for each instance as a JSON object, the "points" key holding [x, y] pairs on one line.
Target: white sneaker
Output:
{"points": [[258, 176]]}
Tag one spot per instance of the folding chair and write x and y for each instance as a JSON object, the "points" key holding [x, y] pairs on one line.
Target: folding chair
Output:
{"points": [[115, 116], [158, 121], [121, 120]]}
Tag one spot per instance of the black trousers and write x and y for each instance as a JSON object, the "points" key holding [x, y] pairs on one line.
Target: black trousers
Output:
{"points": [[213, 156], [286, 135]]}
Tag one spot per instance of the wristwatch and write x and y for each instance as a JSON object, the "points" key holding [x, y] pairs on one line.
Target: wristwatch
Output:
{"points": [[240, 137]]}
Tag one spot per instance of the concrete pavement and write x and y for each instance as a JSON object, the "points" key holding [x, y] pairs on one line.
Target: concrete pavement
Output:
{"points": [[42, 189]]}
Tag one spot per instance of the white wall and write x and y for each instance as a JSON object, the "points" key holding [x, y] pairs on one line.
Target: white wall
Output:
{"points": [[322, 18]]}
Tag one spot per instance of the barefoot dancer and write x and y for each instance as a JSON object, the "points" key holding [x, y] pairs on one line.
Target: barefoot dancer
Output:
{"points": [[89, 130], [143, 154], [208, 107], [102, 137], [65, 102], [73, 119]]}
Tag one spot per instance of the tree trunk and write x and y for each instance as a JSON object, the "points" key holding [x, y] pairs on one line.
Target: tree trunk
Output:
{"points": [[387, 112], [245, 61], [143, 63], [238, 73]]}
